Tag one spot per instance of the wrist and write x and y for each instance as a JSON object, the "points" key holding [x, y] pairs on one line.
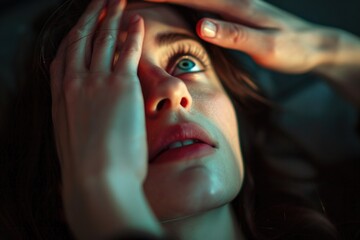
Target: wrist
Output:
{"points": [[116, 204], [338, 51], [340, 63], [326, 49]]}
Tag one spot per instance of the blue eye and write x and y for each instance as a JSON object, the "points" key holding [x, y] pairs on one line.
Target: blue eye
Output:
{"points": [[186, 65]]}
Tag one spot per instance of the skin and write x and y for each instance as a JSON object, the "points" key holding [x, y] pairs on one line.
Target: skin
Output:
{"points": [[102, 112]]}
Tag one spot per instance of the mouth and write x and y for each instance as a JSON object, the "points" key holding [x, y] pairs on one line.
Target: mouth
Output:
{"points": [[184, 151], [179, 144], [182, 142]]}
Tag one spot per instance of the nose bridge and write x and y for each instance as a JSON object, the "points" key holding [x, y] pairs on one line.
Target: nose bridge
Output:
{"points": [[163, 92]]}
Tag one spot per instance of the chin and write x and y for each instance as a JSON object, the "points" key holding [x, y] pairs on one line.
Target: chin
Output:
{"points": [[195, 191]]}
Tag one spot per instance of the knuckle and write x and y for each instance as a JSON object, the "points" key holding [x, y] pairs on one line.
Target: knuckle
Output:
{"points": [[76, 34], [245, 3], [105, 38], [237, 34], [131, 48], [268, 52], [230, 5], [96, 77], [71, 84], [129, 83], [270, 46]]}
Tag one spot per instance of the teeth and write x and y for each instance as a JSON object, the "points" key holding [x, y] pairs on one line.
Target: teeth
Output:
{"points": [[188, 142], [175, 145], [181, 144]]}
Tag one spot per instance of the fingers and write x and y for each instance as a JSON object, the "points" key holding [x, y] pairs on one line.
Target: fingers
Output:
{"points": [[80, 36], [130, 53], [234, 36], [106, 39], [102, 47], [209, 5], [191, 3], [254, 13]]}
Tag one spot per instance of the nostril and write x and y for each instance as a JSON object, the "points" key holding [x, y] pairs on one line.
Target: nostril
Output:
{"points": [[160, 105], [184, 102]]}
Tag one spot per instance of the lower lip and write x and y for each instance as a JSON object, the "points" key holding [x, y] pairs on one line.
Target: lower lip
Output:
{"points": [[189, 152]]}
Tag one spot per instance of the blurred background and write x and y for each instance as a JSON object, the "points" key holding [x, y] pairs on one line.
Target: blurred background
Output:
{"points": [[321, 124]]}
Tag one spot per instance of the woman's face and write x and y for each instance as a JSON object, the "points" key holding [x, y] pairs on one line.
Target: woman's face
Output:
{"points": [[180, 86]]}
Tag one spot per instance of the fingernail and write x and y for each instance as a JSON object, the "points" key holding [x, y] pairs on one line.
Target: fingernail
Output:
{"points": [[135, 18], [208, 29]]}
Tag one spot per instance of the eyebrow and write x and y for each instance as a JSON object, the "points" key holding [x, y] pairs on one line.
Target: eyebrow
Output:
{"points": [[168, 38]]}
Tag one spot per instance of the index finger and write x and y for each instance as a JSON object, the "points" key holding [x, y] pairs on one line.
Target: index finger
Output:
{"points": [[252, 13], [209, 5]]}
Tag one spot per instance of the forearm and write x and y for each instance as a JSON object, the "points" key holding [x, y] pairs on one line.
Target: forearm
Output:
{"points": [[340, 62]]}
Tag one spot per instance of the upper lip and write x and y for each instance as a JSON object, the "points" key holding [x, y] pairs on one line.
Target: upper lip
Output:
{"points": [[179, 132]]}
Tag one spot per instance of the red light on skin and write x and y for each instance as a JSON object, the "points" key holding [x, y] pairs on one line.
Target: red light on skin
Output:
{"points": [[198, 27], [102, 15]]}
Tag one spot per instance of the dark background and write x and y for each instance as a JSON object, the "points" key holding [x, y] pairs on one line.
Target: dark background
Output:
{"points": [[321, 122]]}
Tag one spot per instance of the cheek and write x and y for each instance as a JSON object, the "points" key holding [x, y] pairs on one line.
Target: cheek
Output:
{"points": [[221, 111], [216, 109]]}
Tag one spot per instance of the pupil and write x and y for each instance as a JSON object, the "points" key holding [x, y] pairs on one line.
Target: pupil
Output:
{"points": [[186, 64]]}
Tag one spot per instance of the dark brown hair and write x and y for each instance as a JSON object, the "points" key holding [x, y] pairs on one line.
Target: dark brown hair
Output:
{"points": [[30, 172]]}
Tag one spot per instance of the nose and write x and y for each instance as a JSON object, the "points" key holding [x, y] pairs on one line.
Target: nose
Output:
{"points": [[164, 92], [170, 94]]}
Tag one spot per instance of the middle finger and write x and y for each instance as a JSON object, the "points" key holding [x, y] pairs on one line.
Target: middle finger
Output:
{"points": [[106, 37]]}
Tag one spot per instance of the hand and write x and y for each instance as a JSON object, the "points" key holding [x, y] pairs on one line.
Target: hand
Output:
{"points": [[273, 38], [282, 42], [99, 122]]}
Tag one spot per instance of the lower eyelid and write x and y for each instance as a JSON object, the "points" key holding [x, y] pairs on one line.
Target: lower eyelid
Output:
{"points": [[196, 77]]}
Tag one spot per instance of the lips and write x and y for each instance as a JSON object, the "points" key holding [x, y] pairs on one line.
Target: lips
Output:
{"points": [[178, 136]]}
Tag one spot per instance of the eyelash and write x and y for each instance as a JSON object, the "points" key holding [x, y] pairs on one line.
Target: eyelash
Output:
{"points": [[178, 51]]}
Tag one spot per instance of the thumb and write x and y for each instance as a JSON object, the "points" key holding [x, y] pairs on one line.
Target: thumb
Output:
{"points": [[234, 36]]}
